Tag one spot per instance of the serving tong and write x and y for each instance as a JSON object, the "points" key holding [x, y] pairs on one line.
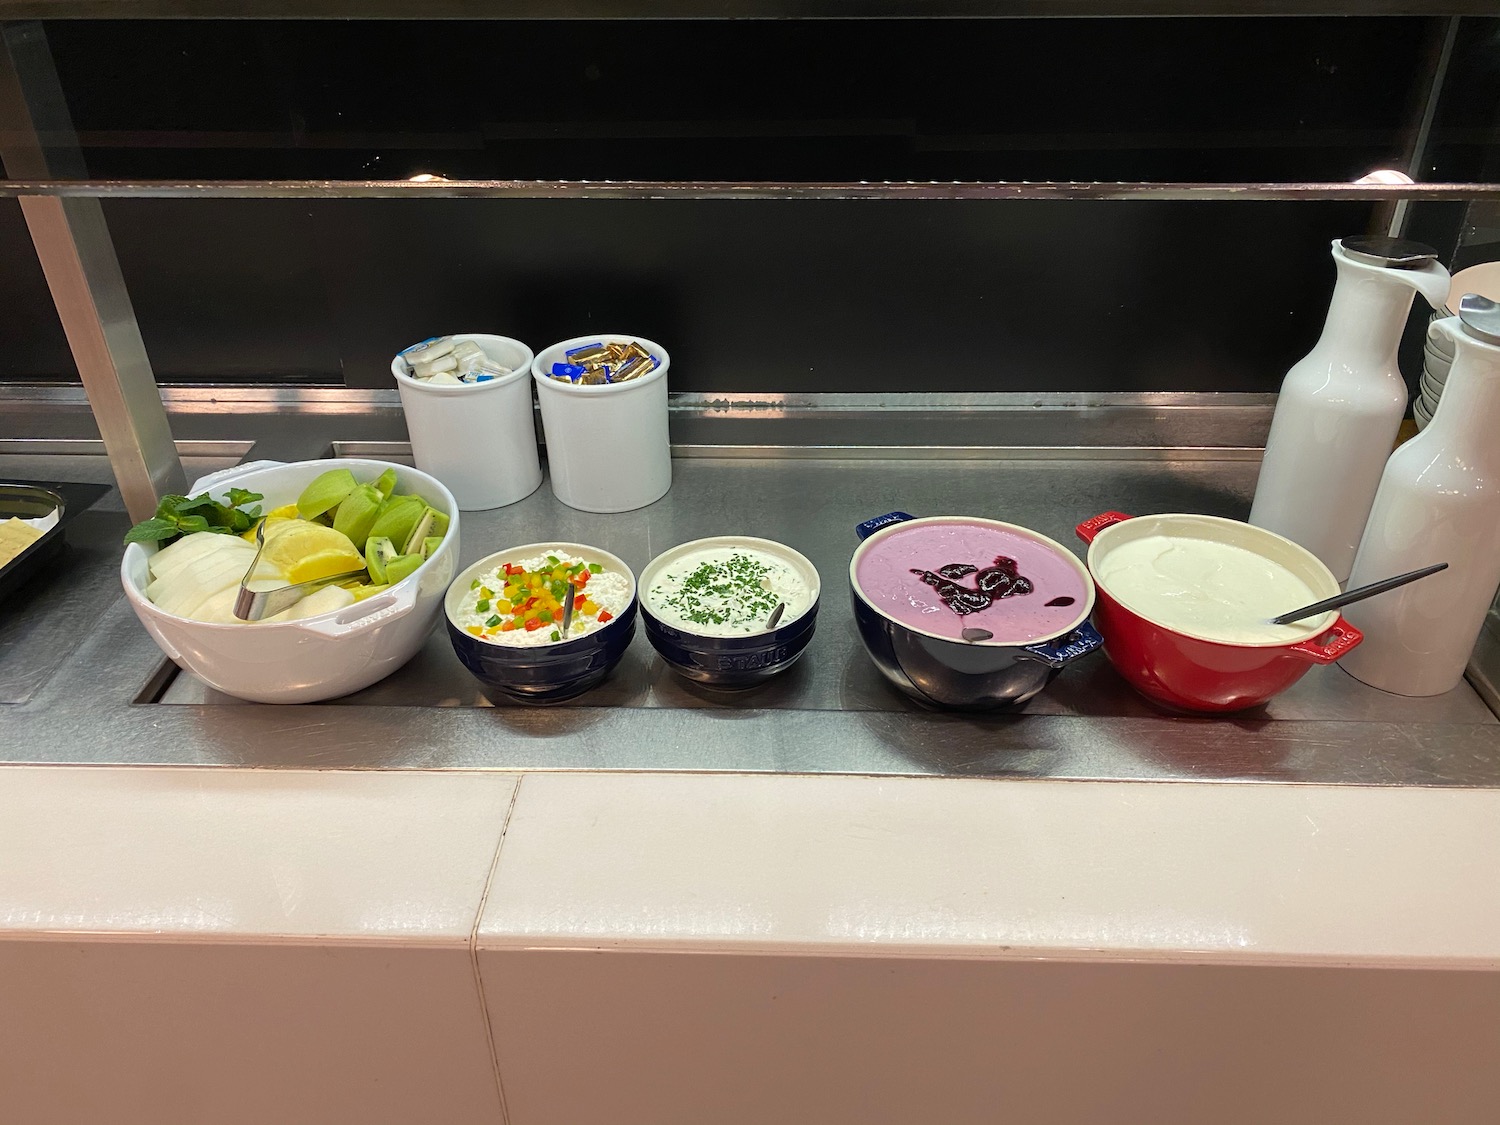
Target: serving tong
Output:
{"points": [[255, 605], [1358, 594]]}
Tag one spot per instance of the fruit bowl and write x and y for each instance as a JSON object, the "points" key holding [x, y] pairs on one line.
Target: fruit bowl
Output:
{"points": [[318, 657]]}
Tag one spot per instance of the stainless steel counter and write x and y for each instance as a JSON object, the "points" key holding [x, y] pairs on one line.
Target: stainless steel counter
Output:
{"points": [[101, 693]]}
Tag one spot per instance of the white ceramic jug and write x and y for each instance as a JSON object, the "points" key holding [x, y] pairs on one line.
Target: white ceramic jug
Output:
{"points": [[1439, 501], [1340, 407]]}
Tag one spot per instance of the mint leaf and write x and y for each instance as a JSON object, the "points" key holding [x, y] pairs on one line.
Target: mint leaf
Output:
{"points": [[189, 524], [198, 504], [239, 497], [151, 531], [169, 505]]}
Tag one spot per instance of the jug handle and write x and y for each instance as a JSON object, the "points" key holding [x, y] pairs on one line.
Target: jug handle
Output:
{"points": [[1431, 280]]}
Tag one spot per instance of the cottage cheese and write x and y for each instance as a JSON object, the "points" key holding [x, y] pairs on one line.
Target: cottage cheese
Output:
{"points": [[608, 588]]}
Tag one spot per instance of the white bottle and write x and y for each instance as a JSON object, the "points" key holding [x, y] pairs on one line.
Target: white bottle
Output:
{"points": [[1439, 501], [1340, 407]]}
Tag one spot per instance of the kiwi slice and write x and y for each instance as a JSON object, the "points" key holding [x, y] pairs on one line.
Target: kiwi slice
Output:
{"points": [[397, 517], [356, 515], [325, 493], [420, 530], [386, 483], [401, 567], [379, 552]]}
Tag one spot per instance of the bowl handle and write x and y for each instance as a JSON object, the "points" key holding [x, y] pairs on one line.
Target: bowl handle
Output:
{"points": [[1092, 527], [1344, 638], [210, 482], [362, 615], [1061, 651], [870, 527]]}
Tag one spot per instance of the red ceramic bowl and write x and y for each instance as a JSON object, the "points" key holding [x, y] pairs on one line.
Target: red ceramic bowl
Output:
{"points": [[1193, 673]]}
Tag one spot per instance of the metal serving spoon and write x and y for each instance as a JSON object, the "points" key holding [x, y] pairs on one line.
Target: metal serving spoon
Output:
{"points": [[1358, 594], [254, 605]]}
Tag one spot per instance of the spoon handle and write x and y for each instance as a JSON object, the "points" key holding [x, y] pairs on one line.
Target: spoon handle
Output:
{"points": [[1356, 595]]}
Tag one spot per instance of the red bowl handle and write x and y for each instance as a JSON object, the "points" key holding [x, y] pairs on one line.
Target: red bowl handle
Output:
{"points": [[1090, 528], [1340, 639]]}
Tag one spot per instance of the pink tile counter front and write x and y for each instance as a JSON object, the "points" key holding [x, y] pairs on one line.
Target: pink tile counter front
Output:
{"points": [[235, 945]]}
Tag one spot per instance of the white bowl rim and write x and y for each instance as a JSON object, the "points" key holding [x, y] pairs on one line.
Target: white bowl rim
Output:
{"points": [[768, 546], [460, 583], [996, 642], [1310, 632]]}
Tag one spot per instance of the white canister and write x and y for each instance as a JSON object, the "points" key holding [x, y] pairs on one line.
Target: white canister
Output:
{"points": [[607, 445], [1341, 405], [1437, 503], [479, 439]]}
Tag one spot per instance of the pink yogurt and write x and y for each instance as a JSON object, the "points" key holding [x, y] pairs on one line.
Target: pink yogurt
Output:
{"points": [[884, 576]]}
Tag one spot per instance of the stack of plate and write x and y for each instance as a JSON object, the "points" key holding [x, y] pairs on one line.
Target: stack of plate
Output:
{"points": [[1437, 356]]}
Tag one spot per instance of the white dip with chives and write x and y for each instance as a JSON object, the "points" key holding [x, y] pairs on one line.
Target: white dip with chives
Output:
{"points": [[726, 590]]}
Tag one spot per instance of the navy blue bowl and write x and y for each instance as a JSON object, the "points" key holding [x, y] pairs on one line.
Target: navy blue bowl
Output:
{"points": [[549, 673], [737, 662], [958, 675]]}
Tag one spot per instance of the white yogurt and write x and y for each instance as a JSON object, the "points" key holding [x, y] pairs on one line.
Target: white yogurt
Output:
{"points": [[1211, 590], [727, 587]]}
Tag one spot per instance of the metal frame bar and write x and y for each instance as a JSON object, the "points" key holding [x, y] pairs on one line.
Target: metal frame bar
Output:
{"points": [[760, 190], [78, 259], [1392, 218], [720, 9]]}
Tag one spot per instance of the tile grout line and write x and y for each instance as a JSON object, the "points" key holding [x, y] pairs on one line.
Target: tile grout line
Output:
{"points": [[484, 898]]}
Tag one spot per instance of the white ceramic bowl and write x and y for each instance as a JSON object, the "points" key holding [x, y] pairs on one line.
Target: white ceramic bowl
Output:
{"points": [[1420, 415], [607, 445], [318, 657], [479, 439]]}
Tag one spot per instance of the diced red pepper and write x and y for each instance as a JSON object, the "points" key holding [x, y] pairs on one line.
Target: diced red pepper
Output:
{"points": [[605, 615], [533, 625], [580, 580]]}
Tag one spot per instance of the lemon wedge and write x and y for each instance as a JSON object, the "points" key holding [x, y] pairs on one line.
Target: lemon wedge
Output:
{"points": [[300, 551], [275, 515]]}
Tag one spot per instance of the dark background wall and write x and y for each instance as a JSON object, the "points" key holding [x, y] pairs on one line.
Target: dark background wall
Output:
{"points": [[774, 296]]}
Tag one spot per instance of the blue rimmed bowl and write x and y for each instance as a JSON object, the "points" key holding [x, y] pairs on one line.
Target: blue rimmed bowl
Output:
{"points": [[967, 675], [544, 673], [730, 663]]}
